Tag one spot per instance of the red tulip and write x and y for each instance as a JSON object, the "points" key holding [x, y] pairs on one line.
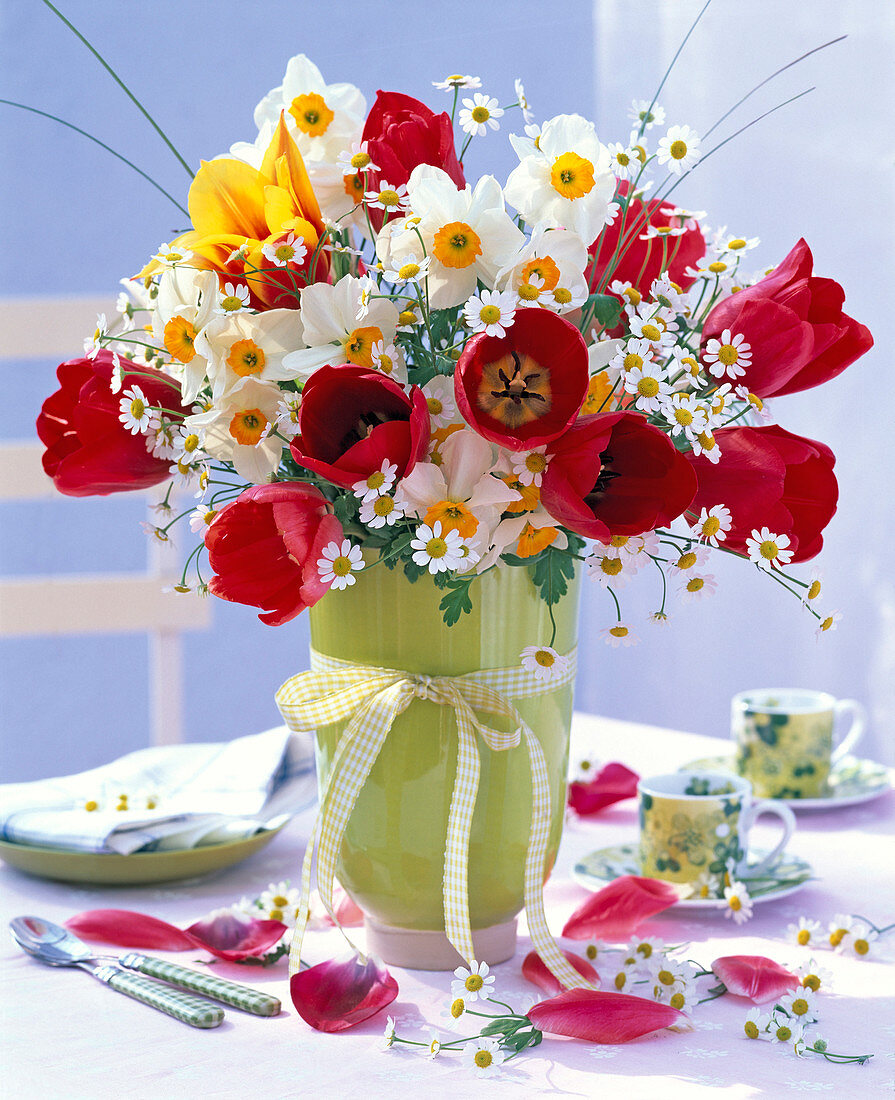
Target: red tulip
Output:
{"points": [[523, 389], [612, 783], [794, 323], [225, 935], [755, 977], [401, 132], [89, 451], [616, 911], [264, 548], [640, 262], [535, 971], [603, 1017], [353, 419], [769, 477], [334, 996], [614, 474]]}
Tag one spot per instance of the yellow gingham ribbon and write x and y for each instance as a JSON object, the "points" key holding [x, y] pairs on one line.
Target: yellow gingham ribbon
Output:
{"points": [[371, 698]]}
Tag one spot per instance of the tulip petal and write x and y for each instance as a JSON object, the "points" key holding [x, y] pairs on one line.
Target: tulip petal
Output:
{"points": [[603, 1017], [233, 936], [615, 912], [334, 996], [613, 783], [129, 929], [754, 976], [535, 971]]}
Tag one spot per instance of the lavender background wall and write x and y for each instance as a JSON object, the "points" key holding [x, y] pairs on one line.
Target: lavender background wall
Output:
{"points": [[75, 221]]}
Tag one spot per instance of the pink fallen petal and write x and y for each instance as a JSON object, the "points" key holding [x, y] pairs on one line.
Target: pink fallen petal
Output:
{"points": [[613, 783], [615, 912], [129, 929], [603, 1017], [535, 970], [334, 996], [235, 936], [755, 977]]}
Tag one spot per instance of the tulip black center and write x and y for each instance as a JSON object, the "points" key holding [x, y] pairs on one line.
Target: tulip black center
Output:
{"points": [[604, 480], [362, 427], [515, 390]]}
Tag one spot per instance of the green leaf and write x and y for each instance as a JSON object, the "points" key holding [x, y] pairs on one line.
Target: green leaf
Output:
{"points": [[607, 309], [456, 601], [551, 571]]}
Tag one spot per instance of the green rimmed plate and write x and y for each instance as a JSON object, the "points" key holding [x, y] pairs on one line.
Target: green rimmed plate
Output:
{"points": [[787, 875], [139, 869], [852, 781]]}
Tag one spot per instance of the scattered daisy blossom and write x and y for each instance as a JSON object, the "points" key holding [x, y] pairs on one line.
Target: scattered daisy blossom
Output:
{"points": [[544, 662], [479, 114], [739, 903], [767, 549], [805, 932], [619, 635], [679, 149], [473, 982], [338, 564], [484, 1054]]}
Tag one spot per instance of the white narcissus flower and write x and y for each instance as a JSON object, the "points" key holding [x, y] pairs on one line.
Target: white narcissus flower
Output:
{"points": [[329, 317], [185, 305], [249, 345], [238, 429], [467, 234], [548, 270], [567, 181]]}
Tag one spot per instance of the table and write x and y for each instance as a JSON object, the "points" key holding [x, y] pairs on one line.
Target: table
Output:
{"points": [[66, 1037]]}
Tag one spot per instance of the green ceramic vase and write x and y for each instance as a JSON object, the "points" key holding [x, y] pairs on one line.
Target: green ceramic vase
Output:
{"points": [[392, 859]]}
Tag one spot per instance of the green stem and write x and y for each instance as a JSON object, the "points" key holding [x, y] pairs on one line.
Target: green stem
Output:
{"points": [[101, 144], [671, 66], [122, 85]]}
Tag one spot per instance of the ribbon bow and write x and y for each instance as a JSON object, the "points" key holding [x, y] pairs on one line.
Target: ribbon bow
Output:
{"points": [[371, 698]]}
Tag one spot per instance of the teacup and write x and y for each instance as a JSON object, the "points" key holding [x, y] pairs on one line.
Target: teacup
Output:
{"points": [[785, 739], [696, 825]]}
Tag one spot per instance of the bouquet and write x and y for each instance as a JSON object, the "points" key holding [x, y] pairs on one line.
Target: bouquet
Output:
{"points": [[358, 358]]}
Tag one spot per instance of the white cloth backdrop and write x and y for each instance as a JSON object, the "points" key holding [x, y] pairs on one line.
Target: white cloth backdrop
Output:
{"points": [[80, 221]]}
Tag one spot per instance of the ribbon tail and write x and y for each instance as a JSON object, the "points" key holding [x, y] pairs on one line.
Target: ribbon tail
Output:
{"points": [[455, 885], [304, 910]]}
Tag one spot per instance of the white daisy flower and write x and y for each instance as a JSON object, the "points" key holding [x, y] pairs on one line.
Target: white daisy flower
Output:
{"points": [[479, 114], [739, 904], [338, 562], [728, 356], [805, 932], [285, 251], [116, 381], [388, 198], [172, 254], [234, 299], [491, 312], [723, 242], [685, 415], [483, 1054], [767, 549], [356, 159], [694, 586], [457, 80], [828, 623], [800, 1004], [280, 895], [645, 116], [529, 466], [472, 983], [653, 232], [757, 1024], [200, 519], [523, 100], [388, 1036], [620, 634], [649, 384], [381, 511], [434, 1044], [712, 525], [812, 976], [611, 570], [692, 558], [389, 360], [623, 160], [135, 412], [184, 472], [439, 394], [412, 269], [439, 551], [287, 415], [679, 149], [785, 1031], [377, 483], [543, 662]]}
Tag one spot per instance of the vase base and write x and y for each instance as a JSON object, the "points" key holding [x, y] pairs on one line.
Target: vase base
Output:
{"points": [[425, 950]]}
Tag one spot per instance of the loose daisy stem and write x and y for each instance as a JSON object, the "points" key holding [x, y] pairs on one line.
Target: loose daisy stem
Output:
{"points": [[102, 145], [121, 85]]}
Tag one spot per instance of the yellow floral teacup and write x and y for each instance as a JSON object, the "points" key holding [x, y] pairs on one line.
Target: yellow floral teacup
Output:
{"points": [[785, 737], [695, 826]]}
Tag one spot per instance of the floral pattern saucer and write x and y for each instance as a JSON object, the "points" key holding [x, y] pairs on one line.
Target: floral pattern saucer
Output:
{"points": [[786, 876], [852, 780]]}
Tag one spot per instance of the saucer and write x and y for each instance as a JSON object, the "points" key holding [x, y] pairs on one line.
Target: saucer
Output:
{"points": [[852, 781], [786, 876]]}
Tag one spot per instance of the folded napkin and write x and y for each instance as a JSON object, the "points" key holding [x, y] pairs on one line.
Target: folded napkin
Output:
{"points": [[166, 798]]}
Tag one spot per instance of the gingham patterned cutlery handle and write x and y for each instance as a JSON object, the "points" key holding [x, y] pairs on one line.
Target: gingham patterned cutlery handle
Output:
{"points": [[209, 985], [191, 1010]]}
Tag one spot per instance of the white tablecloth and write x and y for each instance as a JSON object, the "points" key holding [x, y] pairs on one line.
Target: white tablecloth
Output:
{"points": [[66, 1037]]}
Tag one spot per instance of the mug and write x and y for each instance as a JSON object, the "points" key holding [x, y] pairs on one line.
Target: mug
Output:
{"points": [[697, 824], [785, 739]]}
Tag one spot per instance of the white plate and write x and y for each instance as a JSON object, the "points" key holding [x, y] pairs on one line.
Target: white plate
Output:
{"points": [[787, 875], [852, 781]]}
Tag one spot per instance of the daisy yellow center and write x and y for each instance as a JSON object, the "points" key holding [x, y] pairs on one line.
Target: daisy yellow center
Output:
{"points": [[711, 526], [246, 358], [376, 480], [173, 257], [232, 303], [665, 977], [409, 271], [138, 408], [686, 561], [677, 1000], [590, 950], [678, 149], [515, 390], [719, 404], [342, 566], [804, 936], [248, 426], [684, 417], [209, 515], [751, 1029], [861, 947], [545, 268], [645, 949], [633, 295], [279, 901], [179, 338], [632, 361], [695, 584], [435, 406], [483, 1058], [572, 176], [354, 187], [717, 267], [728, 354], [458, 1007], [456, 245], [799, 1006], [825, 625], [434, 1046], [529, 293], [454, 516], [620, 980], [407, 317], [755, 400], [814, 590], [618, 541], [385, 364], [535, 463], [388, 197], [284, 252], [648, 387], [545, 659], [623, 159], [275, 914], [618, 631], [190, 443], [611, 566], [360, 160], [311, 114], [561, 296], [358, 345], [489, 314], [652, 332], [837, 936], [436, 548], [474, 983], [812, 982], [733, 901], [707, 441], [783, 1034], [383, 506], [480, 114], [690, 363], [769, 549], [736, 244], [90, 805]]}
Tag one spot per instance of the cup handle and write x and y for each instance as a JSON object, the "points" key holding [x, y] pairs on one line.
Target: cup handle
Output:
{"points": [[855, 730], [768, 806]]}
